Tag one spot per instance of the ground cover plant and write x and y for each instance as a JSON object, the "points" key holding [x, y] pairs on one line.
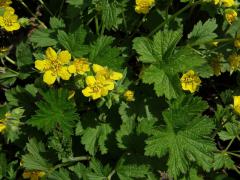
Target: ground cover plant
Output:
{"points": [[119, 89]]}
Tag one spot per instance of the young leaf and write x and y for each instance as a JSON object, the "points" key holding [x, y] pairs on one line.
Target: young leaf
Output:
{"points": [[203, 33], [222, 160], [55, 110], [56, 23], [23, 55]]}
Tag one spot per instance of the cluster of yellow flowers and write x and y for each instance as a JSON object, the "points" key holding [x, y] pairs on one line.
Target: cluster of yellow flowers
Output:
{"points": [[190, 81], [100, 84], [143, 6], [58, 66], [230, 14], [8, 20]]}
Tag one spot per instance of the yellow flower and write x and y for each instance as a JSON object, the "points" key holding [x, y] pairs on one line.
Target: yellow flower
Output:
{"points": [[230, 15], [107, 73], [143, 6], [234, 61], [237, 41], [190, 81], [54, 66], [236, 104], [33, 175], [79, 66], [9, 20], [129, 95], [5, 3], [2, 126], [225, 3], [97, 87]]}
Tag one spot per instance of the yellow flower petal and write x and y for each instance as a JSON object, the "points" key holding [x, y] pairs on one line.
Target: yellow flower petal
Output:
{"points": [[72, 69], [87, 92], [90, 80], [97, 68], [64, 74], [236, 104], [96, 95], [51, 54], [116, 76], [40, 64], [64, 57], [49, 77]]}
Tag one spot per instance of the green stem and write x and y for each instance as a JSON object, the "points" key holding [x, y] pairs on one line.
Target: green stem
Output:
{"points": [[234, 154], [190, 4], [48, 10], [96, 24], [236, 169], [61, 7], [69, 162], [38, 20], [10, 60], [228, 146], [111, 174]]}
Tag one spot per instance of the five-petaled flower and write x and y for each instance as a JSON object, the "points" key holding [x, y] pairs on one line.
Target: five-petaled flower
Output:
{"points": [[106, 73], [79, 66], [190, 81], [230, 15], [97, 87], [129, 95], [143, 6], [54, 66], [9, 20], [236, 104]]}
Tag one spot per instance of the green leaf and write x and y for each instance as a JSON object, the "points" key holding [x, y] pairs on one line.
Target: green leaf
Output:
{"points": [[232, 131], [62, 174], [23, 55], [222, 160], [7, 76], [94, 138], [132, 171], [3, 165], [102, 53], [158, 49], [76, 2], [55, 111], [203, 33], [185, 139], [74, 42], [43, 38], [33, 160], [127, 126], [164, 83], [81, 171], [56, 23]]}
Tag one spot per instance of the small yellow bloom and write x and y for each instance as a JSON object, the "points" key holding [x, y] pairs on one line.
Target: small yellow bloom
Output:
{"points": [[230, 15], [237, 41], [9, 20], [215, 43], [2, 127], [129, 95], [143, 6], [107, 73], [234, 61], [5, 3], [225, 3], [54, 66], [33, 175], [190, 81], [236, 104], [97, 87], [79, 66]]}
